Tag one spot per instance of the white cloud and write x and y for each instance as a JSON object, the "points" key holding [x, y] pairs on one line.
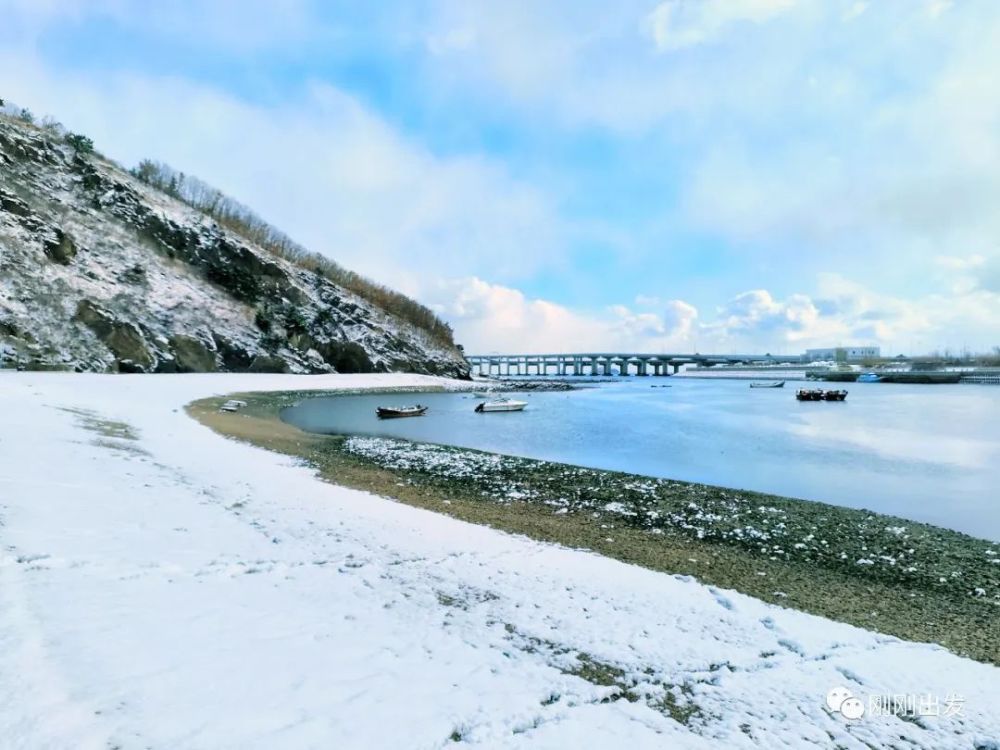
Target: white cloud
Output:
{"points": [[238, 26], [790, 142], [796, 137], [675, 24], [680, 318], [318, 164], [855, 10], [492, 317], [846, 312], [451, 40], [645, 300], [969, 274], [936, 8], [755, 318], [883, 156], [637, 324], [955, 263]]}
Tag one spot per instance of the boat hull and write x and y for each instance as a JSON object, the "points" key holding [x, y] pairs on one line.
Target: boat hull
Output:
{"points": [[821, 395], [386, 413], [501, 406]]}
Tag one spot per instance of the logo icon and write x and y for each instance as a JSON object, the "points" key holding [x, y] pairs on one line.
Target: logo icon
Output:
{"points": [[840, 700]]}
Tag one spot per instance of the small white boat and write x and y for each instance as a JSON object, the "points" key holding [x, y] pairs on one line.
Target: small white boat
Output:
{"points": [[501, 404], [232, 405]]}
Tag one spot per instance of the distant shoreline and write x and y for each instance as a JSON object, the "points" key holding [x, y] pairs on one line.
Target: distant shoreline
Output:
{"points": [[896, 576]]}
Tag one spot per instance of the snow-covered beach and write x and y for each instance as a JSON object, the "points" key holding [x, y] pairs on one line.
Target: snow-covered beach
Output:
{"points": [[163, 587]]}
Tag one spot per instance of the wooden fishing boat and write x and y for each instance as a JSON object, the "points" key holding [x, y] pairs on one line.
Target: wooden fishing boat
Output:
{"points": [[775, 384], [806, 394], [388, 412], [819, 394], [501, 404]]}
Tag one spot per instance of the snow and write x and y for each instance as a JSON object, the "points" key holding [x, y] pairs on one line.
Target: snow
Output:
{"points": [[180, 590], [113, 230]]}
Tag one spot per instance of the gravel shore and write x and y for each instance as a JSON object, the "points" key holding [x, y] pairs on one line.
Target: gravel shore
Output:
{"points": [[899, 577]]}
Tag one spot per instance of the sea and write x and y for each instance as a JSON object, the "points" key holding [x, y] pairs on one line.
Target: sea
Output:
{"points": [[926, 453]]}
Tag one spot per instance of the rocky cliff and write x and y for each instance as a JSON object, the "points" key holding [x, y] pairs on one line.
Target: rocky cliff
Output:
{"points": [[102, 272]]}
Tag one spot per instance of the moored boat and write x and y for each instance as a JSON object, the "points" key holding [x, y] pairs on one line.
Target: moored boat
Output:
{"points": [[807, 394], [501, 404], [869, 377], [388, 412], [775, 384], [818, 394]]}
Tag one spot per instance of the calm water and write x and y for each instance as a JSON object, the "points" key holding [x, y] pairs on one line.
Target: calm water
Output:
{"points": [[929, 453]]}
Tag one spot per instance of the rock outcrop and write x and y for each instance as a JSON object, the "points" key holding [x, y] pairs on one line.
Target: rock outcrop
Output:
{"points": [[102, 272]]}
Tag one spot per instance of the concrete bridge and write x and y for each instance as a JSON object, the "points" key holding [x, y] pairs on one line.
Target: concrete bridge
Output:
{"points": [[607, 362]]}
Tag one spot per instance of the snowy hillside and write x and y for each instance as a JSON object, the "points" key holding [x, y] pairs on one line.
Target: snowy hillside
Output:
{"points": [[162, 587], [99, 272]]}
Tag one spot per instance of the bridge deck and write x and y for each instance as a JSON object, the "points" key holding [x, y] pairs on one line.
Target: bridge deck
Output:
{"points": [[601, 363]]}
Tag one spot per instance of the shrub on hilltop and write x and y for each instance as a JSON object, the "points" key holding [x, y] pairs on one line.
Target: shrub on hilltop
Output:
{"points": [[240, 219]]}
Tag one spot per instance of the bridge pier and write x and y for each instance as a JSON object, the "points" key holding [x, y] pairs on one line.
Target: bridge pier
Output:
{"points": [[598, 364]]}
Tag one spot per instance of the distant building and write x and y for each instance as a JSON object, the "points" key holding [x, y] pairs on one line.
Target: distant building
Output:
{"points": [[844, 353]]}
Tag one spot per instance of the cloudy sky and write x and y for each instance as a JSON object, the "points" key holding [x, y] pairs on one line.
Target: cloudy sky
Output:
{"points": [[566, 175]]}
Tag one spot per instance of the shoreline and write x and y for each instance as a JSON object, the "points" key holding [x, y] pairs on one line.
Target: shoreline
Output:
{"points": [[903, 578]]}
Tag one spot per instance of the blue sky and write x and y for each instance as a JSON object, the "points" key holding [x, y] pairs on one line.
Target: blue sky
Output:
{"points": [[663, 174]]}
